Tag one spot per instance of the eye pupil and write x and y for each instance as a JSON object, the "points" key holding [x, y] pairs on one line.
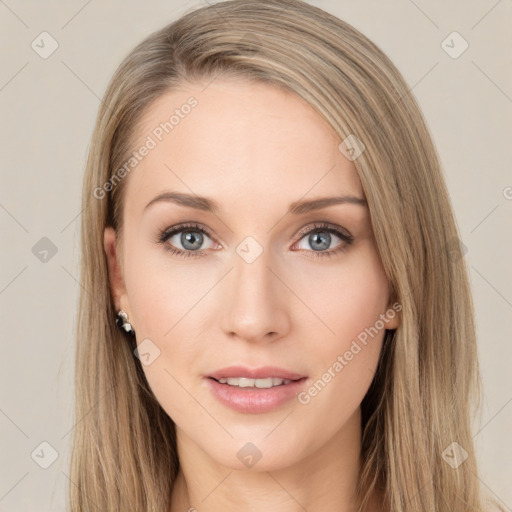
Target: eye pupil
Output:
{"points": [[191, 237], [324, 237], [188, 237]]}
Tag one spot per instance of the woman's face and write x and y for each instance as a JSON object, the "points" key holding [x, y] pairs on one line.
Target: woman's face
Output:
{"points": [[269, 283]]}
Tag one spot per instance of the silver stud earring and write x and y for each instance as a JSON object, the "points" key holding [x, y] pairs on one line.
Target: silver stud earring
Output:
{"points": [[123, 324]]}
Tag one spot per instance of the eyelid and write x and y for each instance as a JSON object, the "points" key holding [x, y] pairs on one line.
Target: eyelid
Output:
{"points": [[342, 232], [339, 231], [164, 235]]}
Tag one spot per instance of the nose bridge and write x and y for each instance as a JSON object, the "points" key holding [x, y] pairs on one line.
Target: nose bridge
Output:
{"points": [[254, 308], [253, 279]]}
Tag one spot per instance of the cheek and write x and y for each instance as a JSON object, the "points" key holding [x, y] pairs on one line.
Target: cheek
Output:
{"points": [[163, 289], [345, 298], [168, 302], [347, 330]]}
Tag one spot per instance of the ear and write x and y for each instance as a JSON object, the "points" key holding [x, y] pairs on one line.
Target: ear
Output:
{"points": [[393, 315], [117, 285]]}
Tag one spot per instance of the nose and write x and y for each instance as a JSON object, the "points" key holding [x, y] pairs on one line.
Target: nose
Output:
{"points": [[255, 302]]}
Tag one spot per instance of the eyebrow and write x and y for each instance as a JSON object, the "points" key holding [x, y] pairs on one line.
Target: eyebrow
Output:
{"points": [[295, 208]]}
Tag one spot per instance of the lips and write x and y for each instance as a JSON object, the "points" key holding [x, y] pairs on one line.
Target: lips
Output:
{"points": [[253, 399], [263, 372]]}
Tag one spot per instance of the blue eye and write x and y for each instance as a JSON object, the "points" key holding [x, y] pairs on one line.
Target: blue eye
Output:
{"points": [[192, 238], [320, 236]]}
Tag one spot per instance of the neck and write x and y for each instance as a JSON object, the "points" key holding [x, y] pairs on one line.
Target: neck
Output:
{"points": [[326, 479]]}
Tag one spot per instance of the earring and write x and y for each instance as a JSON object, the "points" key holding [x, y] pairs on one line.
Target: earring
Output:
{"points": [[123, 324]]}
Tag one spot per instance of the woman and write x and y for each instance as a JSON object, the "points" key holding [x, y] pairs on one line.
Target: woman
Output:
{"points": [[250, 367]]}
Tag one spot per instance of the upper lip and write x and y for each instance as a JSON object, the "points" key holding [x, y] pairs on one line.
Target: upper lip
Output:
{"points": [[262, 372]]}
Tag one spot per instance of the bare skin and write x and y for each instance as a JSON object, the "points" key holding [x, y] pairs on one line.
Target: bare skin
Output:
{"points": [[254, 149]]}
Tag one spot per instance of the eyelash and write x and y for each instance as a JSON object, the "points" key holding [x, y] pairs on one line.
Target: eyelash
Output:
{"points": [[164, 235]]}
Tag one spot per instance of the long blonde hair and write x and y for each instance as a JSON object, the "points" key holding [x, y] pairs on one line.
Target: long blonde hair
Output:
{"points": [[427, 382]]}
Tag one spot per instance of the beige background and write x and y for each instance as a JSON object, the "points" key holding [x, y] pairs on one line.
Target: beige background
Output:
{"points": [[48, 107]]}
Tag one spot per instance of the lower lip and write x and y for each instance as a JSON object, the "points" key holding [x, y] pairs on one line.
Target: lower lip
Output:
{"points": [[255, 400]]}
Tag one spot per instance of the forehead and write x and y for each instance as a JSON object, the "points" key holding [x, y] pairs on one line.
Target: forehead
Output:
{"points": [[242, 142]]}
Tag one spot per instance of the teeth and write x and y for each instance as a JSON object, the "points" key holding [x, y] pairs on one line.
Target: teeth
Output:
{"points": [[244, 382]]}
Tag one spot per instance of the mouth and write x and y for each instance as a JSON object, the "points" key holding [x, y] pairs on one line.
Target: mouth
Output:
{"points": [[256, 390], [245, 382], [262, 377]]}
